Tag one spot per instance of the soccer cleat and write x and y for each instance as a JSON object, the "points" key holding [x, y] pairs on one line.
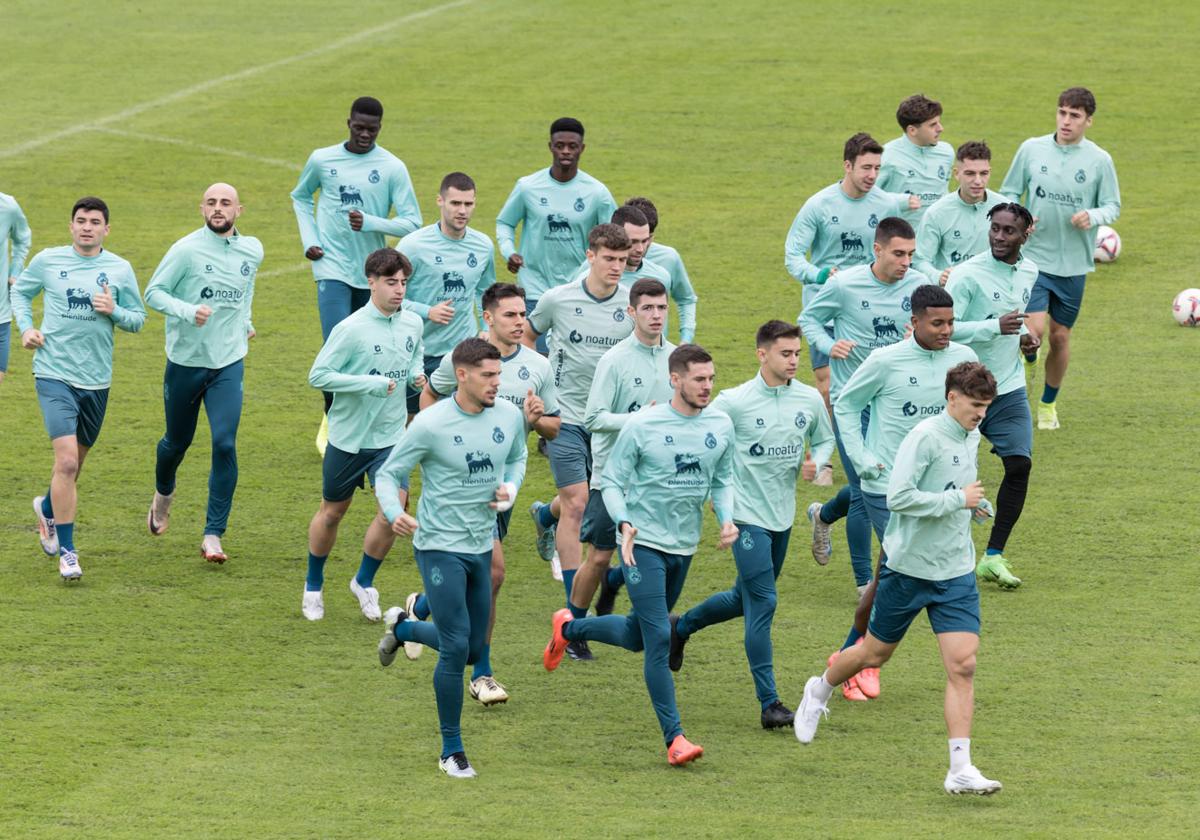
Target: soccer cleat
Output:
{"points": [[777, 716], [607, 599], [993, 567], [970, 780], [867, 680], [541, 447], [557, 645], [545, 536], [808, 716], [210, 549], [313, 605], [556, 568], [68, 565], [682, 751], [159, 515], [487, 691], [412, 649], [675, 655], [46, 532], [389, 644], [579, 651], [850, 689], [1047, 416], [368, 599], [822, 545], [323, 435], [456, 766], [824, 477]]}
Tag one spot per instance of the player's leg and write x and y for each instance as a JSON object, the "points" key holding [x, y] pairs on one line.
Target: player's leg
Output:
{"points": [[867, 680], [858, 524], [571, 462], [5, 344], [1036, 315], [545, 523], [1008, 425], [599, 533], [479, 606], [322, 534], [182, 391], [223, 405], [484, 686], [379, 537], [1065, 300]]}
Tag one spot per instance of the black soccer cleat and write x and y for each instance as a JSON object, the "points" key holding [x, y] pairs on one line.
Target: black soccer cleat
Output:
{"points": [[675, 657], [579, 651], [608, 596], [777, 716]]}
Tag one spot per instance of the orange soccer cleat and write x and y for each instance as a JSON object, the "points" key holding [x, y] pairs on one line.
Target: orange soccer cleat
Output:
{"points": [[557, 645], [682, 751]]}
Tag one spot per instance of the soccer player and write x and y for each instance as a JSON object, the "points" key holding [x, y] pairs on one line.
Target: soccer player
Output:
{"points": [[204, 286], [471, 450], [360, 184], [452, 265], [781, 429], [526, 382], [584, 319], [933, 495], [666, 463], [86, 291], [15, 230], [917, 162], [557, 207], [664, 256], [990, 292], [956, 227], [868, 306], [1070, 186], [368, 357], [894, 389]]}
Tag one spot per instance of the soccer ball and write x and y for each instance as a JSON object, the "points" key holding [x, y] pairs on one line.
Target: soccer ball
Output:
{"points": [[1108, 244], [1187, 307]]}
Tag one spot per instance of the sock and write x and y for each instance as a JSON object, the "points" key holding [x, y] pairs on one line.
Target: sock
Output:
{"points": [[615, 576], [483, 668], [421, 607], [545, 517], [994, 552], [824, 690], [960, 754], [316, 573], [367, 570], [853, 638], [568, 580], [1049, 395], [66, 535], [47, 508]]}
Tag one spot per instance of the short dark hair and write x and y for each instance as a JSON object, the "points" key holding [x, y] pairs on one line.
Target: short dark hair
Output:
{"points": [[860, 144], [1078, 97], [645, 287], [90, 202], [917, 109], [471, 352], [609, 236], [629, 215], [497, 292], [930, 296], [971, 379], [387, 261], [772, 331], [973, 150], [457, 180], [1016, 209], [686, 355], [368, 106], [648, 210], [566, 124], [893, 227]]}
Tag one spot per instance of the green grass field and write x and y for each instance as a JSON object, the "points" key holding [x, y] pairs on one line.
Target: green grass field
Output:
{"points": [[163, 697]]}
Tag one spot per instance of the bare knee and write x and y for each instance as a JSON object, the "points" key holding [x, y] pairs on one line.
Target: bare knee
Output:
{"points": [[961, 669], [330, 516], [497, 573], [573, 501], [1060, 337], [67, 466]]}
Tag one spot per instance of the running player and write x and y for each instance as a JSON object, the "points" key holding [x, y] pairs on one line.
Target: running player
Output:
{"points": [[86, 291], [204, 286], [471, 450], [664, 256], [990, 293], [15, 230], [917, 162], [956, 227], [360, 184], [556, 207], [933, 495], [452, 265], [666, 463], [1070, 186], [368, 357], [781, 430]]}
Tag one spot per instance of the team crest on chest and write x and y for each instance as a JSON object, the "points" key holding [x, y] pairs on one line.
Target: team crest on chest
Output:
{"points": [[906, 304], [580, 206], [618, 315], [1080, 177], [523, 373], [102, 280], [942, 171], [245, 268], [873, 221], [374, 176], [471, 260], [408, 344], [498, 434], [801, 420], [710, 440]]}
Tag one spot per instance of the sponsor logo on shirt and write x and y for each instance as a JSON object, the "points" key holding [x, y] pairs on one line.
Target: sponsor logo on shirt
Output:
{"points": [[557, 227], [786, 450], [633, 406], [350, 196], [78, 299], [957, 256], [912, 380], [478, 462], [1058, 197], [686, 463], [852, 243], [452, 282], [885, 327], [911, 409], [209, 293]]}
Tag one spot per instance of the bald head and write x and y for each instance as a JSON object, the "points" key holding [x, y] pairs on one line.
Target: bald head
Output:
{"points": [[221, 208]]}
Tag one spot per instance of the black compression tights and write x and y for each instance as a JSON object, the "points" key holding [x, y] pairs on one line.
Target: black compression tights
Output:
{"points": [[1011, 498]]}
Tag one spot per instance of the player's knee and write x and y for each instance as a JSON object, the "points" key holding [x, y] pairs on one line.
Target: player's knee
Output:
{"points": [[657, 637], [331, 516], [454, 648], [962, 668], [497, 574], [1017, 467], [224, 448], [1060, 336], [67, 465], [572, 503]]}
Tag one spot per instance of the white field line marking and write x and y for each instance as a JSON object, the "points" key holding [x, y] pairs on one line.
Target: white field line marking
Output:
{"points": [[295, 268], [201, 87], [203, 147]]}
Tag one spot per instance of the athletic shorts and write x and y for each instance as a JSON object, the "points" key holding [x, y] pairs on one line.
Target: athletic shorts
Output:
{"points": [[414, 396], [1008, 425], [336, 301], [1063, 296], [877, 512], [342, 472], [67, 410], [597, 528], [953, 605], [819, 359], [570, 455], [5, 342], [500, 529]]}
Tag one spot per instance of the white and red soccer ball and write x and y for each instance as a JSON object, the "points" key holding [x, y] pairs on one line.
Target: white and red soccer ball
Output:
{"points": [[1108, 244], [1187, 307]]}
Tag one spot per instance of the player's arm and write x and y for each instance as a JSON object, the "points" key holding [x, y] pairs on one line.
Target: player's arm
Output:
{"points": [[1108, 195], [858, 392], [404, 203], [511, 214], [549, 424], [600, 416], [413, 446], [416, 365], [129, 312], [799, 242], [304, 207], [685, 301], [518, 458], [1017, 180], [542, 316], [822, 309], [327, 369], [248, 300], [618, 474], [22, 239], [915, 455], [821, 440], [964, 289], [929, 244], [28, 286], [410, 247], [160, 290]]}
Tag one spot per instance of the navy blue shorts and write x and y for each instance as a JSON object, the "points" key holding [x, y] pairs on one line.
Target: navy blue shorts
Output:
{"points": [[414, 396], [5, 339], [877, 512], [67, 410], [953, 605], [570, 455], [819, 359], [597, 528], [1063, 296], [336, 301], [1008, 424], [342, 472], [500, 529]]}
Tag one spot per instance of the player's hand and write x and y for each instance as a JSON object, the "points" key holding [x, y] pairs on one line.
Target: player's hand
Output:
{"points": [[515, 263], [442, 313], [908, 329], [914, 202], [314, 253], [103, 301], [251, 332], [418, 384], [1032, 227], [1010, 322], [628, 532], [1082, 220], [534, 407], [841, 348], [729, 533], [356, 220], [404, 525], [506, 494], [808, 470], [202, 315], [32, 339], [943, 277], [391, 387], [974, 494], [1030, 343], [983, 512]]}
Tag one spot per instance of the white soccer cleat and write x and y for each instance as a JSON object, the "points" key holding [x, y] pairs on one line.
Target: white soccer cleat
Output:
{"points": [[412, 649], [822, 545], [389, 644], [824, 477], [368, 599], [313, 605], [68, 565], [970, 780], [809, 714], [487, 691], [47, 535], [556, 567], [456, 766], [159, 516]]}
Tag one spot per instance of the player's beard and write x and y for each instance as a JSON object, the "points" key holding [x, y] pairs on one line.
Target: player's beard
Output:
{"points": [[220, 228]]}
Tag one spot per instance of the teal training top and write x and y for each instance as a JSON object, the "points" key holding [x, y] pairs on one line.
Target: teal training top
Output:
{"points": [[923, 171], [772, 427], [902, 385], [79, 341], [629, 376], [464, 458], [214, 271], [647, 270], [13, 229], [582, 328], [929, 533], [556, 218], [520, 372], [457, 270], [862, 309], [372, 183], [661, 470], [984, 288], [952, 232], [1056, 183], [364, 353], [680, 288]]}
